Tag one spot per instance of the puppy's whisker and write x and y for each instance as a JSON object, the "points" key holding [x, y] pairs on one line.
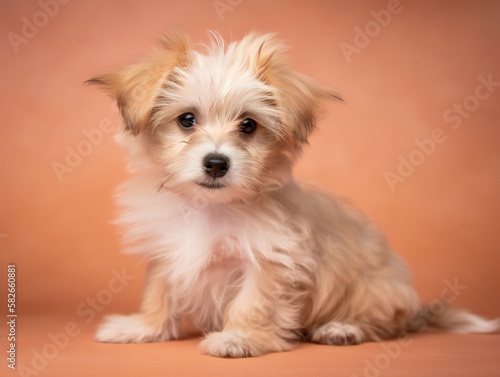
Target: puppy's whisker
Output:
{"points": [[162, 183]]}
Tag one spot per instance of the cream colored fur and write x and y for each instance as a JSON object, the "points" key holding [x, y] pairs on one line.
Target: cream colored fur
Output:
{"points": [[263, 261]]}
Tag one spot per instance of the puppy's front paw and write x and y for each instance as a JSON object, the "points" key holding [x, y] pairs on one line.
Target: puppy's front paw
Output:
{"points": [[127, 329], [228, 344], [242, 343], [337, 333]]}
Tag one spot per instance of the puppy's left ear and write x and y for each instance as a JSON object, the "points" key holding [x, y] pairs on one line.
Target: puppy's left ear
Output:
{"points": [[136, 87], [302, 100], [299, 97]]}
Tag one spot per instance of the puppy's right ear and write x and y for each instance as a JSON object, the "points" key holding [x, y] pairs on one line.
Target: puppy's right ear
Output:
{"points": [[136, 87]]}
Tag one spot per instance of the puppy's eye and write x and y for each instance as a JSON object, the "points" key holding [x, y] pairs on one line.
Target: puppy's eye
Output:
{"points": [[186, 120], [248, 126]]}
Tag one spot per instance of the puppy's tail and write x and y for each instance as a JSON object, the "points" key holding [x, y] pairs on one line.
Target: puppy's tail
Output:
{"points": [[445, 318]]}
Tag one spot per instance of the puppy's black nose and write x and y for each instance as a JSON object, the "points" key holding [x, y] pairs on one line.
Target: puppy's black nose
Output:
{"points": [[216, 165]]}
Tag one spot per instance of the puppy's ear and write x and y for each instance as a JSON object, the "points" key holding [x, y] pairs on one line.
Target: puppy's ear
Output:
{"points": [[136, 87], [299, 97], [302, 100]]}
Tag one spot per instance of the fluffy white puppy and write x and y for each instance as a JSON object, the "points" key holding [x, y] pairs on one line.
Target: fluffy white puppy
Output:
{"points": [[250, 256]]}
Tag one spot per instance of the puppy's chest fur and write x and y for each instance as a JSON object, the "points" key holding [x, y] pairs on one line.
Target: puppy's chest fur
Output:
{"points": [[205, 294], [209, 252]]}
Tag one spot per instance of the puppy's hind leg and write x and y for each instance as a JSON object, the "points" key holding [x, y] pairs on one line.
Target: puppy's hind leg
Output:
{"points": [[337, 333], [153, 322], [374, 310]]}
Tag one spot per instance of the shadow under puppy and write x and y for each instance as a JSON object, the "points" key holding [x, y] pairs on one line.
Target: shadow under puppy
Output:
{"points": [[253, 258]]}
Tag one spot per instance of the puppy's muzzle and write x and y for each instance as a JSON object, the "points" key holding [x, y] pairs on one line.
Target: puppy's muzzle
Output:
{"points": [[216, 165]]}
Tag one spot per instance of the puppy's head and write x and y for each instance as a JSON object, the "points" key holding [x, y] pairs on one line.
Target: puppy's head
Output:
{"points": [[227, 122]]}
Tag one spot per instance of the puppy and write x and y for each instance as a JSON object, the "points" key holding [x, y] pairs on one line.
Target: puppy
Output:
{"points": [[253, 258]]}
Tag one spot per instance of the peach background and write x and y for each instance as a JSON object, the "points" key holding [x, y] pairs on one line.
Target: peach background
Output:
{"points": [[443, 220]]}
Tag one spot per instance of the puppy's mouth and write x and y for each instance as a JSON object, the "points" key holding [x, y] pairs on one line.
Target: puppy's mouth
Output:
{"points": [[211, 184]]}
